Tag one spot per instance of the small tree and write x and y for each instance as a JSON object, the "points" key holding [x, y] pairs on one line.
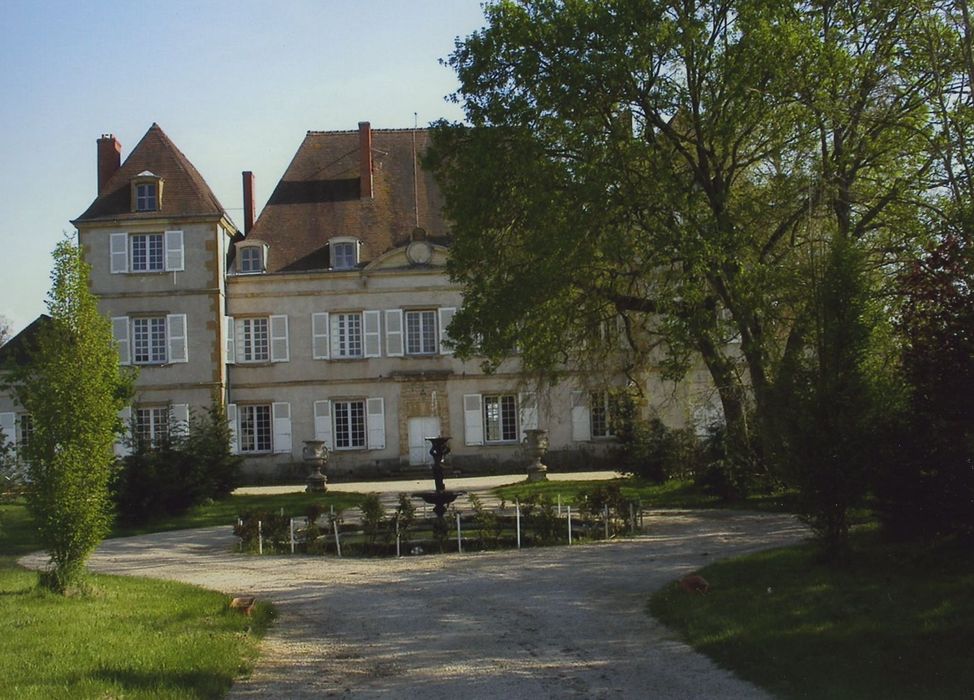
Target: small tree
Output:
{"points": [[73, 388]]}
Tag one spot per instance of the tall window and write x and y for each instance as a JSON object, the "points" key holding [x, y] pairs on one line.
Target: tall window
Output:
{"points": [[25, 430], [254, 340], [349, 424], [151, 424], [149, 340], [601, 414], [145, 197], [500, 418], [251, 259], [147, 252], [344, 254], [255, 428], [421, 333], [346, 334]]}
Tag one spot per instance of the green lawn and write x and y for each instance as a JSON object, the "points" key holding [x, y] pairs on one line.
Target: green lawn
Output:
{"points": [[132, 638], [225, 512], [898, 622], [670, 494]]}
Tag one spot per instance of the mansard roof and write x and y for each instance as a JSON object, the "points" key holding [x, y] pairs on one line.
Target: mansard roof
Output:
{"points": [[185, 191], [321, 197]]}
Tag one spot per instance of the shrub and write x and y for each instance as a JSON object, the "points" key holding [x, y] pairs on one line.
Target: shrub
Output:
{"points": [[652, 451], [541, 518], [487, 521], [184, 468], [373, 518]]}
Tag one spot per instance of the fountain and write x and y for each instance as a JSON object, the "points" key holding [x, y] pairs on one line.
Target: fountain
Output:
{"points": [[316, 453], [439, 498]]}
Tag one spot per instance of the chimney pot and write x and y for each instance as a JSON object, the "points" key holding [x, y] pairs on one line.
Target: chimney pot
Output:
{"points": [[248, 201], [109, 159], [365, 160]]}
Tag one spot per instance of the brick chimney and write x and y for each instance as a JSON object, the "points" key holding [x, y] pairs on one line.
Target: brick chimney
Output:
{"points": [[248, 201], [365, 160], [109, 159]]}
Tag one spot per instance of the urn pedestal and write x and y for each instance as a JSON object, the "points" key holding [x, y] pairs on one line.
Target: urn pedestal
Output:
{"points": [[316, 454], [536, 445]]}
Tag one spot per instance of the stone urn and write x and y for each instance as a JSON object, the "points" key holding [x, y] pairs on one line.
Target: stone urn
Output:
{"points": [[316, 454], [536, 446]]}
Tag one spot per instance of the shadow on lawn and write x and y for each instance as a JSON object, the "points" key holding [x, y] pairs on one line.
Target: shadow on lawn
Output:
{"points": [[191, 683]]}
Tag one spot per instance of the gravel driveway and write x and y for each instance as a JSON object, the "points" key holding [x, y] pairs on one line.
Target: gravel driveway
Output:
{"points": [[541, 623]]}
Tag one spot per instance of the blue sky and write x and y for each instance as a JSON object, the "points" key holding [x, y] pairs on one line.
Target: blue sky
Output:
{"points": [[234, 84]]}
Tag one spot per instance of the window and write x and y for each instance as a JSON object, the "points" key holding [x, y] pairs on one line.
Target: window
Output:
{"points": [[255, 428], [346, 335], [149, 341], [500, 418], [421, 333], [254, 340], [147, 252], [349, 425], [151, 425], [145, 196], [344, 253], [25, 430], [251, 259], [602, 412]]}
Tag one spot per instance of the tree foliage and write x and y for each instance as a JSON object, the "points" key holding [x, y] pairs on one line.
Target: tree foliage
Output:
{"points": [[672, 167], [186, 466], [73, 389]]}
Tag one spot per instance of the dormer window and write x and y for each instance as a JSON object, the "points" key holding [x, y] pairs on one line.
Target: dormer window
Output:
{"points": [[145, 197], [251, 259], [344, 253], [146, 192]]}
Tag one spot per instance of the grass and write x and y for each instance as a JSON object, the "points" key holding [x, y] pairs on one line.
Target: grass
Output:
{"points": [[670, 494], [897, 622], [225, 511], [129, 637]]}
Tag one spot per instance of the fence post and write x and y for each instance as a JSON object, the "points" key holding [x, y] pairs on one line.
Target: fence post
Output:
{"points": [[569, 524], [338, 542], [605, 519], [260, 537], [459, 536], [397, 536], [240, 525], [632, 519], [517, 514], [292, 535], [559, 505]]}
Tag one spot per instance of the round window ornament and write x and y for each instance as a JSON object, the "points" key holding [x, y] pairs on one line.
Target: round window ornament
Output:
{"points": [[419, 252]]}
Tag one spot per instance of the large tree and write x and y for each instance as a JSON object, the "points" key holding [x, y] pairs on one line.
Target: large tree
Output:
{"points": [[73, 389], [677, 166]]}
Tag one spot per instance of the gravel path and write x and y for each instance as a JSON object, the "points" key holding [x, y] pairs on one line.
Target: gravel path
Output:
{"points": [[558, 622]]}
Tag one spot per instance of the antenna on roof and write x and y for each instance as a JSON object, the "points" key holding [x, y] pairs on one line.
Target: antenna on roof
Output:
{"points": [[415, 173]]}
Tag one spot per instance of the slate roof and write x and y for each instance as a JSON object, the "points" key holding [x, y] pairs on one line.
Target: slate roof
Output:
{"points": [[184, 191], [17, 350], [318, 198]]}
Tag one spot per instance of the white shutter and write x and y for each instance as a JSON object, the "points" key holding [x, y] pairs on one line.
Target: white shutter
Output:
{"points": [[282, 426], [376, 421], [372, 321], [323, 430], [176, 335], [120, 331], [119, 246], [446, 316], [175, 260], [581, 417], [279, 345], [8, 424], [394, 345], [320, 334], [528, 412], [180, 420], [231, 344], [473, 422], [234, 432], [122, 448]]}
